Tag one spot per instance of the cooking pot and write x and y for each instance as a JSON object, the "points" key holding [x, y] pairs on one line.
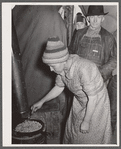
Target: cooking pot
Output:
{"points": [[29, 134]]}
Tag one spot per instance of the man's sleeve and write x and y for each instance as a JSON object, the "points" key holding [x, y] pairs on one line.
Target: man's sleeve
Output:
{"points": [[107, 68]]}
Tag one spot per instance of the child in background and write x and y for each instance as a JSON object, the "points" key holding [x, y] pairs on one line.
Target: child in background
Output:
{"points": [[80, 21]]}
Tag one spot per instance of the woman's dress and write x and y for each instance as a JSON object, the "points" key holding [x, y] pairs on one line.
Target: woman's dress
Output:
{"points": [[84, 80]]}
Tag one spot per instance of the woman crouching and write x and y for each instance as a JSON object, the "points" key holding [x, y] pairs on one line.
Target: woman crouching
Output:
{"points": [[89, 119]]}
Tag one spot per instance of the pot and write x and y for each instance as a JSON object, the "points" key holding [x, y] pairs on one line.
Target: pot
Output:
{"points": [[16, 133]]}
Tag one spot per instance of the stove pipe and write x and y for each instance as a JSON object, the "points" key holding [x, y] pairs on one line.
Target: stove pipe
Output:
{"points": [[18, 82]]}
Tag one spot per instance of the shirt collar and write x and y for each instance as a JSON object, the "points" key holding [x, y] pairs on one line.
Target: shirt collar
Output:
{"points": [[69, 67]]}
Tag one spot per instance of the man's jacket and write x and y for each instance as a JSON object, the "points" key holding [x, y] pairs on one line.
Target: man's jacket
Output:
{"points": [[109, 47]]}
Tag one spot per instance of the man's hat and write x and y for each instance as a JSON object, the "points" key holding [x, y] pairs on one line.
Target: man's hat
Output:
{"points": [[95, 10]]}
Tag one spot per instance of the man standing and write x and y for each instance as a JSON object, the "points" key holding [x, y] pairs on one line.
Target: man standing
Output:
{"points": [[80, 21], [95, 43]]}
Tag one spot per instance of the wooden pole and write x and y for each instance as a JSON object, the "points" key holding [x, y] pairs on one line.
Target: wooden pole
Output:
{"points": [[70, 24]]}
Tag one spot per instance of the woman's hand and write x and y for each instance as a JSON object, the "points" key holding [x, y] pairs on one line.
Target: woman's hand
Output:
{"points": [[84, 128], [36, 106]]}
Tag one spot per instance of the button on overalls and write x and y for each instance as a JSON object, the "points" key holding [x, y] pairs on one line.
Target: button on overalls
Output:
{"points": [[91, 48]]}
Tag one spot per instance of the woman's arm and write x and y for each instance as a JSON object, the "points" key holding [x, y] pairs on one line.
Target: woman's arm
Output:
{"points": [[90, 108], [89, 112], [54, 92]]}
